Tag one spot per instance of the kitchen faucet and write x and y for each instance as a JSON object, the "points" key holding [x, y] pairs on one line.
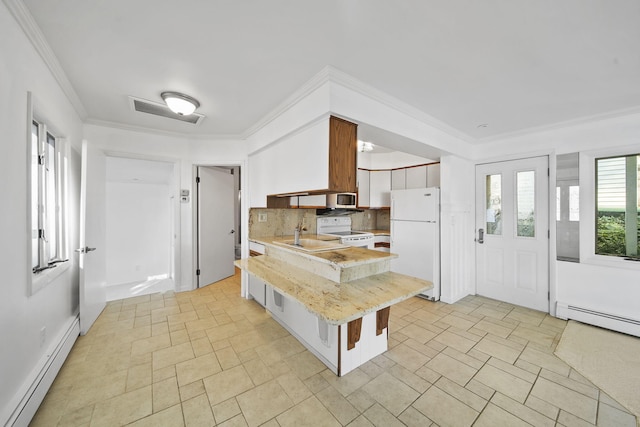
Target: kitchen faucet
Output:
{"points": [[296, 234]]}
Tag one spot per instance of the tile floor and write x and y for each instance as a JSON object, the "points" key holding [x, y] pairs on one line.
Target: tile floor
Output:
{"points": [[209, 357]]}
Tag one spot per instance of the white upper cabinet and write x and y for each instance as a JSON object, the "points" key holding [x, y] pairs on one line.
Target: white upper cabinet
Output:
{"points": [[398, 179], [417, 177], [319, 158], [364, 189], [433, 175], [380, 182]]}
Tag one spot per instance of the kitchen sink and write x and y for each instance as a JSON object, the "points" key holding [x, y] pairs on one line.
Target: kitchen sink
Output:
{"points": [[313, 245]]}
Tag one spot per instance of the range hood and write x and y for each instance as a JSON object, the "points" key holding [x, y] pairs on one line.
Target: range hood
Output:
{"points": [[336, 211]]}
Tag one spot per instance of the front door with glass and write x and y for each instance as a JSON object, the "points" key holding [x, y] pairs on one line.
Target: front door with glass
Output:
{"points": [[512, 226]]}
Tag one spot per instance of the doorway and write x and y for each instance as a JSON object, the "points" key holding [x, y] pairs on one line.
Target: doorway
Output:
{"points": [[217, 209], [140, 227], [512, 232]]}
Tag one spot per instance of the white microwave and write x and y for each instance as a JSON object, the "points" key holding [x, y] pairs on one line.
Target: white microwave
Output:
{"points": [[342, 200]]}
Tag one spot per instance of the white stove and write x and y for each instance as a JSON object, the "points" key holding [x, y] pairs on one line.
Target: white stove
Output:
{"points": [[340, 226]]}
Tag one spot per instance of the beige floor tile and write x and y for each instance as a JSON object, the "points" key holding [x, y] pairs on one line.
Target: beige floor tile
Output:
{"points": [[545, 408], [264, 402], [444, 409], [197, 412], [586, 389], [459, 322], [172, 355], [123, 409], [97, 389], [499, 380], [197, 369], [361, 400], [456, 341], [380, 417], [521, 411], [545, 360], [480, 389], [338, 405], [500, 351], [227, 384], [191, 390], [610, 416], [417, 333], [164, 373], [411, 417], [317, 383], [227, 357], [451, 368], [361, 421], [165, 394], [169, 417], [305, 364], [349, 383], [535, 335], [394, 395], [569, 420], [294, 387], [258, 371], [139, 376], [409, 378], [308, 413], [464, 357], [226, 410], [407, 357], [494, 416], [462, 394], [566, 399], [513, 370]]}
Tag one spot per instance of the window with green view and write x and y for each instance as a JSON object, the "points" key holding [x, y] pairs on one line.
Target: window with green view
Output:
{"points": [[617, 190]]}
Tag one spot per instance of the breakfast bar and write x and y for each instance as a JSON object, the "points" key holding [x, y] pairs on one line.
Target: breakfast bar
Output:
{"points": [[336, 302]]}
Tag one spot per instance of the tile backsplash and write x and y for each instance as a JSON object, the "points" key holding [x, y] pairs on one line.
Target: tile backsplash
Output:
{"points": [[282, 222]]}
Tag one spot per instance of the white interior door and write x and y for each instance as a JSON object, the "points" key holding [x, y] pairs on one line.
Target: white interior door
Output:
{"points": [[512, 232], [92, 260], [216, 242]]}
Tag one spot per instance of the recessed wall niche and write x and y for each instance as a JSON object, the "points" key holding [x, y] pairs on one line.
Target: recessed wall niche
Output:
{"points": [[568, 207]]}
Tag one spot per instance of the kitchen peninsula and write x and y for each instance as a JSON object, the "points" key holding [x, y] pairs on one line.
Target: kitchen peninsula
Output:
{"points": [[335, 301]]}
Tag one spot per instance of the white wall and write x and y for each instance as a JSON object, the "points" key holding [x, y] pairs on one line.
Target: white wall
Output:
{"points": [[137, 230], [185, 153], [392, 160], [597, 283], [54, 307]]}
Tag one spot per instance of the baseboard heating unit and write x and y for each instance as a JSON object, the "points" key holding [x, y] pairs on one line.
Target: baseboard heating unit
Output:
{"points": [[598, 318]]}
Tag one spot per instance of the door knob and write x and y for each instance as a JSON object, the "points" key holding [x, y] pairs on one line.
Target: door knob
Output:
{"points": [[85, 250], [232, 231]]}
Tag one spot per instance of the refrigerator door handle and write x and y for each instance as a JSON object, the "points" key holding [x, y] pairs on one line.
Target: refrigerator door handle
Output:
{"points": [[480, 238]]}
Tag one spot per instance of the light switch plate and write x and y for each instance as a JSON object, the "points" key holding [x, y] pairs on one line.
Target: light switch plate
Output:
{"points": [[262, 217]]}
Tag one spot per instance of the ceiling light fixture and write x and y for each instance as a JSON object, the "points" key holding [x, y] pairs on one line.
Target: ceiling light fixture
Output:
{"points": [[364, 146], [179, 103]]}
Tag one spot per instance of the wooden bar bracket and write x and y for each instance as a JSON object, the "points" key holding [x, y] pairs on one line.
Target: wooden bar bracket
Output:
{"points": [[382, 320], [353, 333]]}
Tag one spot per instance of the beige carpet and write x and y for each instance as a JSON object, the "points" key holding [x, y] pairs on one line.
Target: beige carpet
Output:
{"points": [[609, 360]]}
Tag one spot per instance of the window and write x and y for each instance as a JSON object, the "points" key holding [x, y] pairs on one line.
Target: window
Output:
{"points": [[617, 189], [47, 200]]}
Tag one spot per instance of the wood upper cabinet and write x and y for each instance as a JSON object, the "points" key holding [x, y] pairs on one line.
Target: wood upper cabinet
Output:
{"points": [[319, 159], [343, 155]]}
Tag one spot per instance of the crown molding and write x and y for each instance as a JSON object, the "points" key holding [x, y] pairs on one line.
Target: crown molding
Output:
{"points": [[31, 29], [311, 85], [330, 74], [350, 82], [561, 125], [144, 129]]}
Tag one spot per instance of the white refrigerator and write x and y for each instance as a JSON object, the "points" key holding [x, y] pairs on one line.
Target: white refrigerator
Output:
{"points": [[415, 235]]}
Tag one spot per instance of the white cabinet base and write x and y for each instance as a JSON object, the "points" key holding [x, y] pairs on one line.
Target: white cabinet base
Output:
{"points": [[329, 343]]}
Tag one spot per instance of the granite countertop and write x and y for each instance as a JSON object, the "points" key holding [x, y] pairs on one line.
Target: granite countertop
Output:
{"points": [[333, 302], [345, 257], [378, 232]]}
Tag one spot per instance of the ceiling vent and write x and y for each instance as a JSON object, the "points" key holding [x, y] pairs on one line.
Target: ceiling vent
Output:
{"points": [[161, 109]]}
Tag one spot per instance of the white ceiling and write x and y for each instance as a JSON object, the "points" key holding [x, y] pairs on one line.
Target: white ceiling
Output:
{"points": [[510, 64]]}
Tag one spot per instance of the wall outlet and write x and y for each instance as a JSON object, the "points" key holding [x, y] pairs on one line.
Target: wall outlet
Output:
{"points": [[262, 217], [43, 335]]}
